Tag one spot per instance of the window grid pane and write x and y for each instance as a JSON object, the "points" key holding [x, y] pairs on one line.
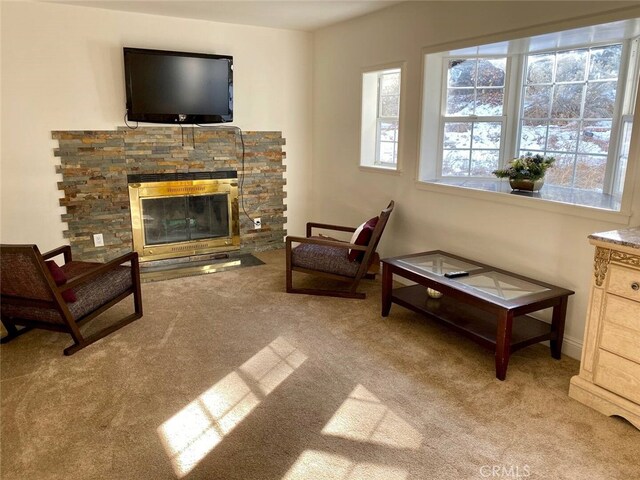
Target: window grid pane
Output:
{"points": [[471, 148], [475, 88], [568, 101], [387, 141], [387, 118]]}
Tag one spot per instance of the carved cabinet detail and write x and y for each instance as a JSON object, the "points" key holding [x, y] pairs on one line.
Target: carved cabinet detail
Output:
{"points": [[609, 378]]}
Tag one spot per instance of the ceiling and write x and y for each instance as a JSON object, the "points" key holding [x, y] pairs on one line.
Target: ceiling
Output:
{"points": [[306, 15]]}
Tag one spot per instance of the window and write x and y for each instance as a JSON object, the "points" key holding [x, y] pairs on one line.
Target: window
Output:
{"points": [[569, 100], [380, 118], [569, 95], [473, 121]]}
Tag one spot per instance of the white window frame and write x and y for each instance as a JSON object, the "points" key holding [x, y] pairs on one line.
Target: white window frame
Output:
{"points": [[444, 118], [613, 152], [370, 121], [380, 119], [513, 110], [617, 210]]}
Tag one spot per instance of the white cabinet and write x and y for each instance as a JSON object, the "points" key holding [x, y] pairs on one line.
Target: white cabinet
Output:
{"points": [[609, 379]]}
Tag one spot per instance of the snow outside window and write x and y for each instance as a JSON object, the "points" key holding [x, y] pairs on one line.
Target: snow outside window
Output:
{"points": [[380, 118], [569, 111], [570, 95], [473, 120]]}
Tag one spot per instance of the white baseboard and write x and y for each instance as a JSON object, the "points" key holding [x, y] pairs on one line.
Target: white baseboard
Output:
{"points": [[572, 347]]}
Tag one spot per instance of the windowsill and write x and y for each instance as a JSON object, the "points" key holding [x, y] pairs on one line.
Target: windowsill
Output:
{"points": [[581, 203], [380, 169]]}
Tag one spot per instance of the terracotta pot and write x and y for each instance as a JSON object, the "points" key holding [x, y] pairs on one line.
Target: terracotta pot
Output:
{"points": [[527, 185]]}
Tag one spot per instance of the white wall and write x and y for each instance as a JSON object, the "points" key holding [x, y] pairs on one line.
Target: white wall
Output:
{"points": [[549, 246], [62, 69]]}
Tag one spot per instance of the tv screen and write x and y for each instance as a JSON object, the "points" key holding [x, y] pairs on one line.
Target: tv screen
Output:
{"points": [[177, 87]]}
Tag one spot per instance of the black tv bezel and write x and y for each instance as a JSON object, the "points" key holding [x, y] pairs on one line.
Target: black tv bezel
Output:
{"points": [[174, 117]]}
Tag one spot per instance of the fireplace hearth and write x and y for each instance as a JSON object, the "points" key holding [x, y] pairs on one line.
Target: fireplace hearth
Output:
{"points": [[184, 214]]}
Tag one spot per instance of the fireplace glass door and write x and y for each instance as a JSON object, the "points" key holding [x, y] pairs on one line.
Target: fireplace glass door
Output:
{"points": [[185, 218]]}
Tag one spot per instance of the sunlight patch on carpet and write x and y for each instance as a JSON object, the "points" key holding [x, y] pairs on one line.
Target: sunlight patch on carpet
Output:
{"points": [[312, 464], [363, 417], [195, 430]]}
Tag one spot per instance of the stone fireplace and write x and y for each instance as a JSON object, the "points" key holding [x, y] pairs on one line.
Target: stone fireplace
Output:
{"points": [[176, 215], [100, 168]]}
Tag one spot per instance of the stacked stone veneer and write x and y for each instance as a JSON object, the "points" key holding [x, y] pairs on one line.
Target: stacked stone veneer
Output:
{"points": [[94, 167]]}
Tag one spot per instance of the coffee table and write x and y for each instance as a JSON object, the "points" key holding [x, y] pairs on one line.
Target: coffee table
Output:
{"points": [[490, 305]]}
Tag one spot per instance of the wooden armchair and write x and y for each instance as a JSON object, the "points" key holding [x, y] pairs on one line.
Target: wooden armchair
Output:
{"points": [[328, 257], [33, 291]]}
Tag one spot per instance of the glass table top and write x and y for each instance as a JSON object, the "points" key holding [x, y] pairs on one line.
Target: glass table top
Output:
{"points": [[497, 284], [501, 285], [439, 264]]}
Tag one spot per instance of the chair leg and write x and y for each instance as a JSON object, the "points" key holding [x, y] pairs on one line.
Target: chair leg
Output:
{"points": [[137, 289], [289, 273], [12, 331], [350, 293], [85, 341], [329, 293]]}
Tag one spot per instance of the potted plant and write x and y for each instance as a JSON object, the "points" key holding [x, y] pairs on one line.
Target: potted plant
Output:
{"points": [[526, 172]]}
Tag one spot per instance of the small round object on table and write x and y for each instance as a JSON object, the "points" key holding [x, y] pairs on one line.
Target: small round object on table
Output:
{"points": [[434, 293]]}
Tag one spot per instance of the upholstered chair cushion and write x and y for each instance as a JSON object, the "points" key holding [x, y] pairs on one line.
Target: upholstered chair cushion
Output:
{"points": [[90, 295], [324, 258], [47, 315], [100, 290]]}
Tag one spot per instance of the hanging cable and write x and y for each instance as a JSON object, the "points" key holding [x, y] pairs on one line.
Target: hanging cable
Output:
{"points": [[127, 124], [243, 174], [242, 163]]}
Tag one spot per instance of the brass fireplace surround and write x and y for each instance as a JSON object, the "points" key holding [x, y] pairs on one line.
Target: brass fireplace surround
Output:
{"points": [[139, 191]]}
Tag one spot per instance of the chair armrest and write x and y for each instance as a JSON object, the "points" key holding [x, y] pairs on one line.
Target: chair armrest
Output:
{"points": [[326, 226], [65, 249], [80, 279], [327, 237], [326, 243]]}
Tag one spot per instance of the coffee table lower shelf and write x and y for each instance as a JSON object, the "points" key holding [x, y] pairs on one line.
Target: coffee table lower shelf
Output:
{"points": [[472, 322]]}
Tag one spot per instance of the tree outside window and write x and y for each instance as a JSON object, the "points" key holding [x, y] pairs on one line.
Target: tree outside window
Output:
{"points": [[568, 112], [569, 109], [560, 94], [474, 116]]}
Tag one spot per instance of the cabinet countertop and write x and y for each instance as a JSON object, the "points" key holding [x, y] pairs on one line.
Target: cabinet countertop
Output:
{"points": [[627, 237]]}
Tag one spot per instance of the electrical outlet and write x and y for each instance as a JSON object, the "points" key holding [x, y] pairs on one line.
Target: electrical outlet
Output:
{"points": [[98, 240], [257, 223]]}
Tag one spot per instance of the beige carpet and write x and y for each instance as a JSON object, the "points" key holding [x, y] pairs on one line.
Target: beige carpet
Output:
{"points": [[228, 377]]}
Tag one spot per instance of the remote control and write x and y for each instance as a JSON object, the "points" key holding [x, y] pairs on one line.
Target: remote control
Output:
{"points": [[456, 274]]}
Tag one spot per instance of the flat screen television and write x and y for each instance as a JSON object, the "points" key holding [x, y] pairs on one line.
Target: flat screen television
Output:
{"points": [[178, 87]]}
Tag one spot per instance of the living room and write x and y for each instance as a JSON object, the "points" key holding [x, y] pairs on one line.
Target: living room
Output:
{"points": [[62, 69]]}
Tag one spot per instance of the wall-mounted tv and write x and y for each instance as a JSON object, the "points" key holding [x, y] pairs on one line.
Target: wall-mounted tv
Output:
{"points": [[178, 87]]}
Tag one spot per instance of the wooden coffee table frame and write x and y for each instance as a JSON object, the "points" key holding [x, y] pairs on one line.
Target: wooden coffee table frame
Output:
{"points": [[498, 324]]}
